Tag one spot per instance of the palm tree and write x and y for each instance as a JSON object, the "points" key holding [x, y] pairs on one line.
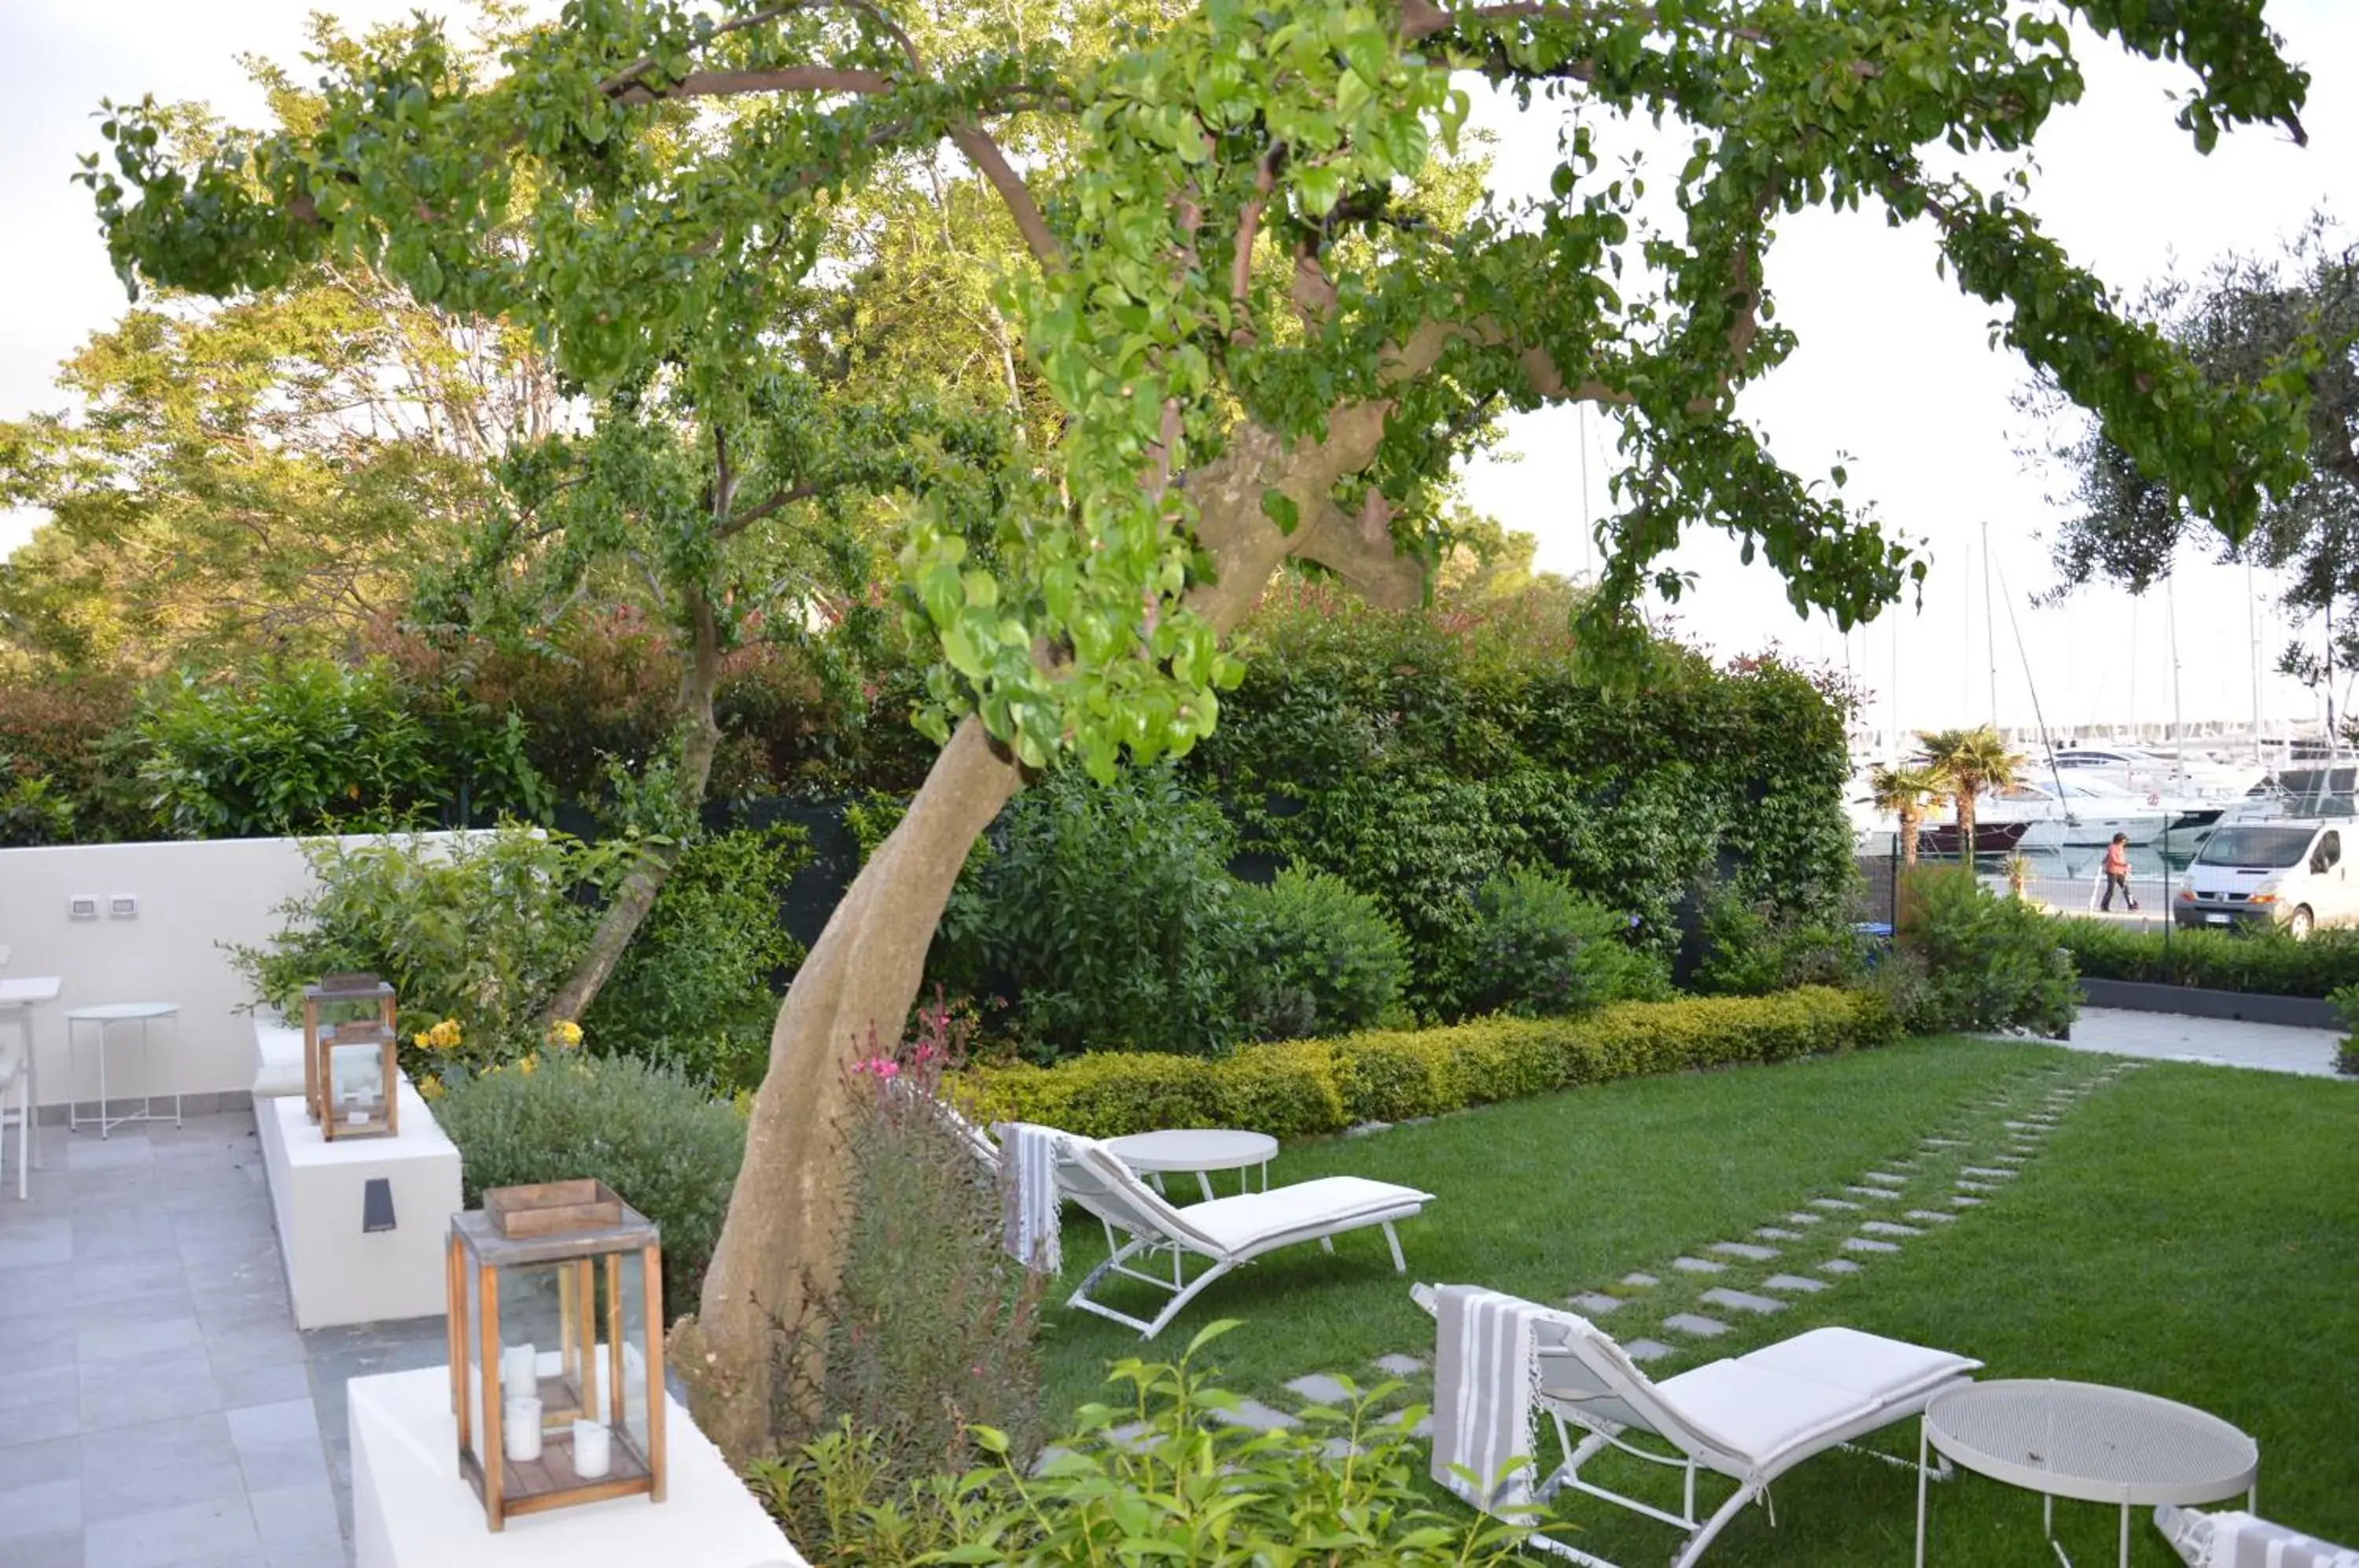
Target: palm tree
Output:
{"points": [[1970, 763], [1907, 792]]}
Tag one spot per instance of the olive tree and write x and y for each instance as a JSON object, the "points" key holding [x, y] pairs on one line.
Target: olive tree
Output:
{"points": [[1258, 352]]}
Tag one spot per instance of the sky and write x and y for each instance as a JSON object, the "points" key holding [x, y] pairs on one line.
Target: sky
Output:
{"points": [[1894, 376]]}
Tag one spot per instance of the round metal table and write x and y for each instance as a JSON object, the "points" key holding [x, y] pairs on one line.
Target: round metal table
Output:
{"points": [[2087, 1443], [143, 1014], [1200, 1150]]}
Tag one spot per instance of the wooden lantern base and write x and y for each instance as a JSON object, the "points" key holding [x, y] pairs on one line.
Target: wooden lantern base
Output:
{"points": [[548, 1482]]}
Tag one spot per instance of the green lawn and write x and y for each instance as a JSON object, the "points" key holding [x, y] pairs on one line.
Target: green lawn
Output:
{"points": [[2190, 1231]]}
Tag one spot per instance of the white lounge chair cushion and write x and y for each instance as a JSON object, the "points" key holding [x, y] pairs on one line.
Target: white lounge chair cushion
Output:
{"points": [[1327, 1204], [2238, 1540], [1757, 1414], [1869, 1364]]}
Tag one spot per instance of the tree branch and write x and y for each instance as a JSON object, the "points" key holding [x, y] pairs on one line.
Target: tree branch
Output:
{"points": [[983, 153], [739, 521], [780, 79], [1248, 229]]}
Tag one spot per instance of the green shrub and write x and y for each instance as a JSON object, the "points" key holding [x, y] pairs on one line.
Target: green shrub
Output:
{"points": [[1323, 959], [663, 1143], [2267, 962], [1295, 1088], [695, 988], [1536, 947], [32, 809], [310, 744], [1108, 916], [1173, 1484], [2346, 1052], [482, 928], [1973, 960], [1752, 948]]}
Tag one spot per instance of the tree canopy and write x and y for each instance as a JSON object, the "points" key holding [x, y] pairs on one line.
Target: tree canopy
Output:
{"points": [[2244, 320], [1232, 302]]}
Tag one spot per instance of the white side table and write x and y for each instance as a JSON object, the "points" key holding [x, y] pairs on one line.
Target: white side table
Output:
{"points": [[1200, 1150], [18, 997], [2088, 1442], [144, 1015]]}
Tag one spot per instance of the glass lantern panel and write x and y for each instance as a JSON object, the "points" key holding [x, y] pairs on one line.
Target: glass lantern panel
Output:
{"points": [[547, 1337], [356, 1083], [633, 1276]]}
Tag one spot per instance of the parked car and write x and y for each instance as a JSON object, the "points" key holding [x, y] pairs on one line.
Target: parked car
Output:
{"points": [[2288, 874]]}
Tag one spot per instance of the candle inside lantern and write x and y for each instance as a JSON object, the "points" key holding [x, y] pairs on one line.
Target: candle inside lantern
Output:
{"points": [[594, 1450], [521, 1370], [521, 1416]]}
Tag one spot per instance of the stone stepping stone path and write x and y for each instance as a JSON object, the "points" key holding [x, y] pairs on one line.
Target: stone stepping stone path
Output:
{"points": [[1320, 1388], [1744, 1249], [1734, 1279]]}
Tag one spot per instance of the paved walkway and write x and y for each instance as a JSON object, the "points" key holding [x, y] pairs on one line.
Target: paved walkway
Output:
{"points": [[156, 1402], [2218, 1043]]}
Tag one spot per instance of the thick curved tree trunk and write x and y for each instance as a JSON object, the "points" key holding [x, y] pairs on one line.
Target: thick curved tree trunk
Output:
{"points": [[779, 1250], [700, 739], [1966, 827]]}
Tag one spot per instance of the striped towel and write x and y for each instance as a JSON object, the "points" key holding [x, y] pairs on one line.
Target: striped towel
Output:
{"points": [[1483, 1374], [2237, 1540], [1030, 1220]]}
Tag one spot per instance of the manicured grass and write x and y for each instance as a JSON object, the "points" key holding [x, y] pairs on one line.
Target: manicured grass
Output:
{"points": [[2190, 1231]]}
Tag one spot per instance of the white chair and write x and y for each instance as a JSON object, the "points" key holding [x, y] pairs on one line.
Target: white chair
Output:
{"points": [[1224, 1231], [17, 1079], [1750, 1417], [2238, 1540]]}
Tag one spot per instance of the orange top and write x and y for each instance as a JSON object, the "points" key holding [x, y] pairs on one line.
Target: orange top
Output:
{"points": [[2117, 860]]}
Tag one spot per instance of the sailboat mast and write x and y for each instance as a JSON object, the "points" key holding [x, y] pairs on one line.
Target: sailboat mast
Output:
{"points": [[2253, 624], [1990, 642]]}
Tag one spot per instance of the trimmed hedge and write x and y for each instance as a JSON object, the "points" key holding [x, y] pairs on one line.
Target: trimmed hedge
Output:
{"points": [[2263, 963], [1298, 1088]]}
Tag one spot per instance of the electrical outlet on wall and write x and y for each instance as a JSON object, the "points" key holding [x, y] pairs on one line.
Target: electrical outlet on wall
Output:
{"points": [[124, 905], [83, 906]]}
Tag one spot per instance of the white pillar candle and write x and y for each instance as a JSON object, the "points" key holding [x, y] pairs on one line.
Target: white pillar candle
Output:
{"points": [[521, 1370], [521, 1440], [594, 1450]]}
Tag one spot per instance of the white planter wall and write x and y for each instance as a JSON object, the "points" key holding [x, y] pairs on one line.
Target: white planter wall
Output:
{"points": [[193, 898]]}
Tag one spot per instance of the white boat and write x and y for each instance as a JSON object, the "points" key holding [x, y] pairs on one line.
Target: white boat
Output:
{"points": [[2143, 772], [2072, 813]]}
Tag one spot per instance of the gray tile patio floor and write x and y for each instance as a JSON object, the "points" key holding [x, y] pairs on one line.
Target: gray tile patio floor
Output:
{"points": [[157, 1408], [2217, 1043]]}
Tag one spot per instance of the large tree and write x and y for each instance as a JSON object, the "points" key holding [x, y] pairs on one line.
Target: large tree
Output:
{"points": [[2249, 317], [1255, 349]]}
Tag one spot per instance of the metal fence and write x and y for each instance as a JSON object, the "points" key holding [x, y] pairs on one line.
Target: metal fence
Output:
{"points": [[2068, 883]]}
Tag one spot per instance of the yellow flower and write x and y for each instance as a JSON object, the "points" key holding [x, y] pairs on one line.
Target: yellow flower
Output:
{"points": [[444, 1036], [527, 1064], [430, 1088], [564, 1034]]}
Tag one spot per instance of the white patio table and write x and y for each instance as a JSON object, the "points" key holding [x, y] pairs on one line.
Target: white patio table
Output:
{"points": [[2087, 1441], [18, 997], [1200, 1150]]}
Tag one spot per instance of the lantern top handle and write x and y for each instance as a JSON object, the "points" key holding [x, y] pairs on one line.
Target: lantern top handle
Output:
{"points": [[551, 1220], [357, 987]]}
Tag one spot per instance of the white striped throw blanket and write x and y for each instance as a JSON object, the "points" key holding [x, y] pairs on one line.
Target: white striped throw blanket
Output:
{"points": [[1484, 1374], [1029, 1210], [2237, 1540]]}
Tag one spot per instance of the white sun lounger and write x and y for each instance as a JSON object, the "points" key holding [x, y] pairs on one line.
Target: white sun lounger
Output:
{"points": [[1224, 1231], [2237, 1540], [1750, 1417]]}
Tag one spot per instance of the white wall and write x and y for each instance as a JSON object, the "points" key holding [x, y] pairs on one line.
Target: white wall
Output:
{"points": [[193, 898]]}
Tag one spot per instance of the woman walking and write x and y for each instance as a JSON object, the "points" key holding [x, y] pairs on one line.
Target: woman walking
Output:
{"points": [[2117, 873]]}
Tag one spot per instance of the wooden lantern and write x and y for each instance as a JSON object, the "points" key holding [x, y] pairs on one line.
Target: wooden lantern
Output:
{"points": [[338, 997], [556, 1325], [359, 1072]]}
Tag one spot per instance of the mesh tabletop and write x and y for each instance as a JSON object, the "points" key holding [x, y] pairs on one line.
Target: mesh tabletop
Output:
{"points": [[2094, 1443]]}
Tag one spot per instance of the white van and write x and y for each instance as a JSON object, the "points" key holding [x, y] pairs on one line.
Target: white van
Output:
{"points": [[2289, 874]]}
